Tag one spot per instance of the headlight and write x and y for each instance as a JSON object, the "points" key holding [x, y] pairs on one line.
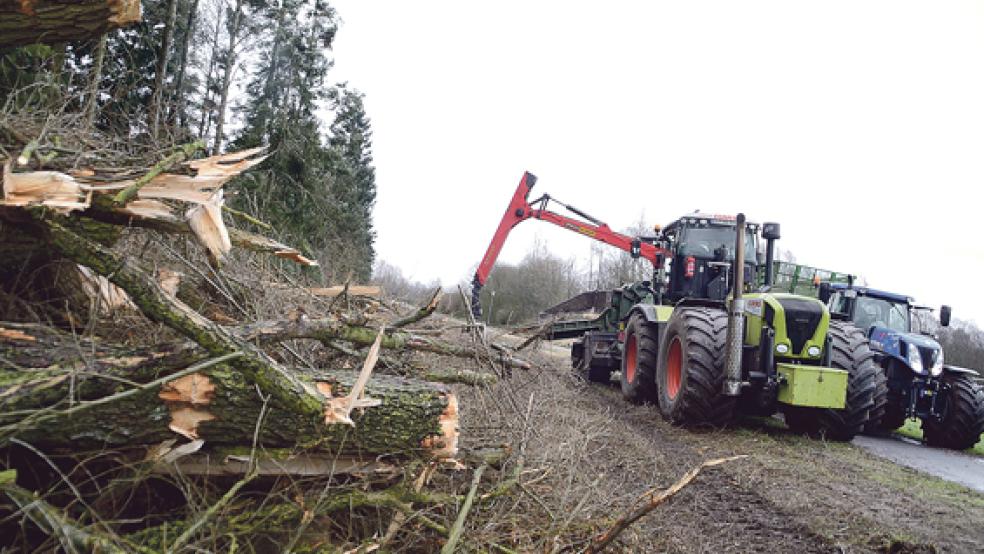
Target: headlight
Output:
{"points": [[915, 361], [781, 348], [813, 351], [937, 364]]}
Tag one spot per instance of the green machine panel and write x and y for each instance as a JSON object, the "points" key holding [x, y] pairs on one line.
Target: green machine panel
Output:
{"points": [[812, 386]]}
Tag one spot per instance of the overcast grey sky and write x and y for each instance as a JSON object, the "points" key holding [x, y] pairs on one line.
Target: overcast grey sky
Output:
{"points": [[857, 125]]}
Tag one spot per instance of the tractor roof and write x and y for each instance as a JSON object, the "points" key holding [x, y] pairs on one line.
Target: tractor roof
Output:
{"points": [[875, 293], [708, 218]]}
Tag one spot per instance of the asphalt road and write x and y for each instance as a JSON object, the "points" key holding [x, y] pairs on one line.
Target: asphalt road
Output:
{"points": [[953, 466]]}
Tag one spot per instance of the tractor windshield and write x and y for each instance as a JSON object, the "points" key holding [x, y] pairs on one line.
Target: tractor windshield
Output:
{"points": [[702, 242], [869, 311]]}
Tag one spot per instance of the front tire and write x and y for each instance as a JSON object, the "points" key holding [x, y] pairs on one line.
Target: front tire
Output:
{"points": [[850, 352], [963, 420], [639, 360], [690, 373]]}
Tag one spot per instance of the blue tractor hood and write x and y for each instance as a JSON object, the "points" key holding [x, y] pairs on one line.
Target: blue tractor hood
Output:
{"points": [[897, 344]]}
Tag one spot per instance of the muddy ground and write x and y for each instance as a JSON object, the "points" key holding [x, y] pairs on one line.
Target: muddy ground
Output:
{"points": [[587, 455]]}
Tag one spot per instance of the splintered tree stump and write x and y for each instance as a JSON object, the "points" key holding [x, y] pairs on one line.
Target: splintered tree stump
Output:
{"points": [[219, 405]]}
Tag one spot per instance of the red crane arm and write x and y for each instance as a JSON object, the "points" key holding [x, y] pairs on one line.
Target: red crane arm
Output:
{"points": [[520, 209]]}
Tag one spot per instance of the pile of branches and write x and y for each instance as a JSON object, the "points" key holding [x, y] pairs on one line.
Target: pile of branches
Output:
{"points": [[90, 415]]}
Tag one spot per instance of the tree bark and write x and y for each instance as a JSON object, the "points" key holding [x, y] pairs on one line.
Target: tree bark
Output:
{"points": [[25, 22], [218, 405], [92, 91]]}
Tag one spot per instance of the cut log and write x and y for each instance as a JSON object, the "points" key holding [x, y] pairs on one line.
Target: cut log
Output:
{"points": [[51, 21], [413, 418], [219, 405]]}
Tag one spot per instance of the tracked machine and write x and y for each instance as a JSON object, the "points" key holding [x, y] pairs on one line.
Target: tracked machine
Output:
{"points": [[703, 340]]}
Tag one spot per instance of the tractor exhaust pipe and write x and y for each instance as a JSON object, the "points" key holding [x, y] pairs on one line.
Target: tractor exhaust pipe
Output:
{"points": [[770, 232], [736, 320]]}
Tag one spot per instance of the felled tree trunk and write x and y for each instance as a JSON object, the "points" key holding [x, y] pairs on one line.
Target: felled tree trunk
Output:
{"points": [[51, 21], [218, 405]]}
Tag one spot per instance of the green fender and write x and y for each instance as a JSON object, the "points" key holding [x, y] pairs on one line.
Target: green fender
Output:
{"points": [[652, 313]]}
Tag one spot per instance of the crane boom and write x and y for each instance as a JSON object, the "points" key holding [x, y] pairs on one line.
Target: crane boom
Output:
{"points": [[520, 209]]}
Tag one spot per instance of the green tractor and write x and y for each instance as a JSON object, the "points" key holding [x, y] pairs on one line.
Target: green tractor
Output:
{"points": [[698, 342], [708, 357]]}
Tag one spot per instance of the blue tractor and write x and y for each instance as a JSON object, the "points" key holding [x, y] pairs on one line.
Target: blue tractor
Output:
{"points": [[916, 382]]}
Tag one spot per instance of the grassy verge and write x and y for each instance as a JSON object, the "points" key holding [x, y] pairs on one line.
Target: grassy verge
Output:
{"points": [[912, 429]]}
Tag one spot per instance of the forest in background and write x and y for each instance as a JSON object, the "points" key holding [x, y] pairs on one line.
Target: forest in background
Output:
{"points": [[226, 75]]}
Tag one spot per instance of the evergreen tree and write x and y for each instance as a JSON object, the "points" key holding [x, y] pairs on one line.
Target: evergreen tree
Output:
{"points": [[355, 186], [320, 195]]}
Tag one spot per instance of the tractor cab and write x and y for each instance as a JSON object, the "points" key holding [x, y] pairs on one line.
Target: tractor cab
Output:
{"points": [[702, 247], [870, 308]]}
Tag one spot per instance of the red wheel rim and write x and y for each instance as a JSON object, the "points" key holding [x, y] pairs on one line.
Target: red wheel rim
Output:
{"points": [[674, 369], [630, 358]]}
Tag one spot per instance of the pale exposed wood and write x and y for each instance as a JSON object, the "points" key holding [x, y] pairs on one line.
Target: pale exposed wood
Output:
{"points": [[340, 410], [259, 243], [148, 209], [181, 154], [369, 291], [107, 296], [445, 445], [206, 223], [169, 280], [143, 199], [52, 189]]}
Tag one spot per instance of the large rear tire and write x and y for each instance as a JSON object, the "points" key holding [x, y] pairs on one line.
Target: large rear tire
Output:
{"points": [[690, 373], [639, 360], [850, 352], [878, 415], [963, 420]]}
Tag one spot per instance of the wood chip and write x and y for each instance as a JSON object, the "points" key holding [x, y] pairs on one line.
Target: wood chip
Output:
{"points": [[14, 334]]}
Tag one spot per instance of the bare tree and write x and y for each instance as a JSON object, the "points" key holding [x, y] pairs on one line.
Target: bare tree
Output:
{"points": [[230, 66]]}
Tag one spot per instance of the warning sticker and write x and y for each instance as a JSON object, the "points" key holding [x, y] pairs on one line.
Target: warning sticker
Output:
{"points": [[753, 306]]}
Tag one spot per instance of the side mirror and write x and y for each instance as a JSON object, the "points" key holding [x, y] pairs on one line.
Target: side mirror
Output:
{"points": [[824, 293], [945, 316], [770, 231]]}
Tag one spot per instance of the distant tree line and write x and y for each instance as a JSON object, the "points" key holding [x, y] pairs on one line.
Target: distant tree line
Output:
{"points": [[518, 293], [963, 344], [233, 74]]}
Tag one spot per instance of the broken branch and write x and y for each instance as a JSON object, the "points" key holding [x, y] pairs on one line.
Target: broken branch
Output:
{"points": [[424, 311], [327, 330], [459, 524], [655, 498], [183, 153]]}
